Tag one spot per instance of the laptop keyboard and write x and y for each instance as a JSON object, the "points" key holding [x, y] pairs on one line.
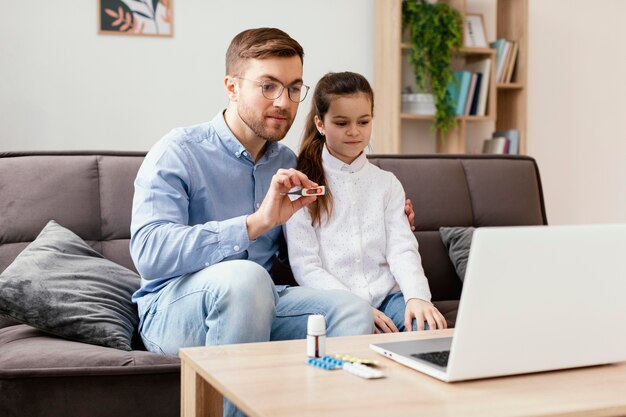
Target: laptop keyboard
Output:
{"points": [[438, 358]]}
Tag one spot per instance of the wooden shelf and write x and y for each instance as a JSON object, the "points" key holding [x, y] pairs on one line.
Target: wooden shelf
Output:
{"points": [[462, 51], [509, 86], [409, 116], [506, 103]]}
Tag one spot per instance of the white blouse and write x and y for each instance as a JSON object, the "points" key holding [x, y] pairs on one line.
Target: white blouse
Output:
{"points": [[366, 247]]}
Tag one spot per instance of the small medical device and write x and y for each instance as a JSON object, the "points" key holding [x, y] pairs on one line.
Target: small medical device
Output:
{"points": [[321, 190]]}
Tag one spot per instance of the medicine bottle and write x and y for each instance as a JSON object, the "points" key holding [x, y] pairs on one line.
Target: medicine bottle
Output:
{"points": [[316, 336]]}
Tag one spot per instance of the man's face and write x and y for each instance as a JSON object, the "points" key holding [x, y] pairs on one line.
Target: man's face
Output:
{"points": [[268, 119]]}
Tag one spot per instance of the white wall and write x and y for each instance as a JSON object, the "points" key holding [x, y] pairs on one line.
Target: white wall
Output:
{"points": [[577, 107], [63, 86]]}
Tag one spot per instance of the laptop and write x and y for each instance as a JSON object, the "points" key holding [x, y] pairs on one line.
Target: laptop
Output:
{"points": [[535, 298]]}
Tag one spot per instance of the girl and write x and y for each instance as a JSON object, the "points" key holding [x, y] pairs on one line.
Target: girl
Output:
{"points": [[356, 237]]}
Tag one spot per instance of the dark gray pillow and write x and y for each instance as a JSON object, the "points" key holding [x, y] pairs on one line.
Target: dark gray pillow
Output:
{"points": [[458, 241], [59, 284]]}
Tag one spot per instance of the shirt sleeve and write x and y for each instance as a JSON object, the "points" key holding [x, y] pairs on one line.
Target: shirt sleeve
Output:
{"points": [[401, 250], [163, 244], [304, 254]]}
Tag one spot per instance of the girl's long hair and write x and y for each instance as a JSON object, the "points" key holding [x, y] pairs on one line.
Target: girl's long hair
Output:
{"points": [[329, 87]]}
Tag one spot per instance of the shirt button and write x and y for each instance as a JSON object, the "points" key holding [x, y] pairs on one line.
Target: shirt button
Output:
{"points": [[237, 154], [258, 205], [244, 153], [236, 247], [207, 264]]}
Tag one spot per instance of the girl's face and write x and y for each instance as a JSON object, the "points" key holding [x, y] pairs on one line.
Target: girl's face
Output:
{"points": [[347, 126]]}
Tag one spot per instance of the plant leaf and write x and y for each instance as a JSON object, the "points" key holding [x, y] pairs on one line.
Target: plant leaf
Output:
{"points": [[129, 22], [142, 14], [117, 21], [434, 31], [155, 3]]}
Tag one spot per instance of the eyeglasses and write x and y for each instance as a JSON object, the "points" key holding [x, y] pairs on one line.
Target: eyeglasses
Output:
{"points": [[272, 90]]}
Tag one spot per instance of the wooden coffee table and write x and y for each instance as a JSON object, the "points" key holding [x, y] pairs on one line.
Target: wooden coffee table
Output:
{"points": [[272, 379]]}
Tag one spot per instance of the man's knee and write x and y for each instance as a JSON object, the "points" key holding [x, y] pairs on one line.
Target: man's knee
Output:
{"points": [[241, 284], [351, 315]]}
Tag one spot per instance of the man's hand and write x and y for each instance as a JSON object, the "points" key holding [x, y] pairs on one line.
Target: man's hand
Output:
{"points": [[423, 311], [408, 209], [383, 324], [277, 208]]}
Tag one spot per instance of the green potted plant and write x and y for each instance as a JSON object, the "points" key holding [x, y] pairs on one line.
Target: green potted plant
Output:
{"points": [[434, 33]]}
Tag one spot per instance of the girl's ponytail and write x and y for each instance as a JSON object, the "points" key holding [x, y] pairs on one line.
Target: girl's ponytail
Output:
{"points": [[310, 162]]}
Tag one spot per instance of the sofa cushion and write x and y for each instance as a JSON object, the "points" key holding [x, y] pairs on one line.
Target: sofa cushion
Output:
{"points": [[44, 375], [458, 241], [6, 321], [59, 284]]}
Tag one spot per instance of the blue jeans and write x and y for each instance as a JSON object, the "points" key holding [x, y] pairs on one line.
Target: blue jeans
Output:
{"points": [[236, 302], [394, 306]]}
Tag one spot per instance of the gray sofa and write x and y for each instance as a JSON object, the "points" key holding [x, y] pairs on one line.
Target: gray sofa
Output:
{"points": [[90, 193]]}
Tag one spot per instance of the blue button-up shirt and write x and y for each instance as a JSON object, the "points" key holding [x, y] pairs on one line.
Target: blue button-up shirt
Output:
{"points": [[193, 193]]}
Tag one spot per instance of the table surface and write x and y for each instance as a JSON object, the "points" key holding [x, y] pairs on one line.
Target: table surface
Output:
{"points": [[272, 379]]}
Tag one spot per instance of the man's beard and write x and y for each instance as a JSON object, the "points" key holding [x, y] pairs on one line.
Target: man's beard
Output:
{"points": [[257, 125]]}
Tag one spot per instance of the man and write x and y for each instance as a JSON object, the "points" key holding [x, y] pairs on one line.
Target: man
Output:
{"points": [[207, 211]]}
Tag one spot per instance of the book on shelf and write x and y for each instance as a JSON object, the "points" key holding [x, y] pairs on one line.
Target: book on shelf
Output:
{"points": [[481, 67], [498, 145], [512, 60], [476, 94], [454, 88], [513, 137], [470, 94], [506, 58], [459, 89], [501, 46]]}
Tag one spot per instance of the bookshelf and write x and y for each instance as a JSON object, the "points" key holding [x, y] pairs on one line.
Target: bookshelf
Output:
{"points": [[506, 103]]}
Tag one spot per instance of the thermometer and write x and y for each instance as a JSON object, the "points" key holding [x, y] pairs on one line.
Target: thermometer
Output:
{"points": [[321, 190]]}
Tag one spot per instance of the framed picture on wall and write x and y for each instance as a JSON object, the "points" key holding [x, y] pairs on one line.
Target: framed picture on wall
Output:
{"points": [[136, 17], [474, 31]]}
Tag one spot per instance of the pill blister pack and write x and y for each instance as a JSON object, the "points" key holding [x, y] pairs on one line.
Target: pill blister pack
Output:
{"points": [[327, 363], [363, 371], [330, 363], [348, 358]]}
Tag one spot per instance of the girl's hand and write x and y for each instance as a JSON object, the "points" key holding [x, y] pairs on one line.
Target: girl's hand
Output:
{"points": [[383, 324], [422, 311]]}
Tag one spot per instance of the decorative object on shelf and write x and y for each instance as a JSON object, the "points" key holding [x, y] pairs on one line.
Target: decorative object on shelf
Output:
{"points": [[512, 135], [136, 17], [435, 32], [496, 145], [474, 31], [418, 103]]}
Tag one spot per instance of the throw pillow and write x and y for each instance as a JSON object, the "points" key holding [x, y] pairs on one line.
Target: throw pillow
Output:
{"points": [[61, 285], [458, 241]]}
